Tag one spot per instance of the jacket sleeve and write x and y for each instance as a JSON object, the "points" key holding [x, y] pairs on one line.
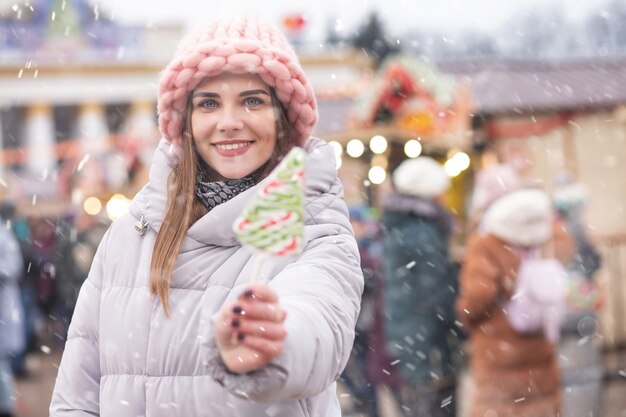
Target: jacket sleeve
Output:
{"points": [[77, 387], [321, 292], [480, 283], [11, 263]]}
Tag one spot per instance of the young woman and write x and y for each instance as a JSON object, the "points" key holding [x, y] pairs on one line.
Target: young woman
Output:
{"points": [[167, 323]]}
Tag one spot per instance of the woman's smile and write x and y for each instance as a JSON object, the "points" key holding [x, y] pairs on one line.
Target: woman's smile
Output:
{"points": [[233, 148]]}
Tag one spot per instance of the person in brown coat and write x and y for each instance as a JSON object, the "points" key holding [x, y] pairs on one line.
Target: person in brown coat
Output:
{"points": [[515, 375]]}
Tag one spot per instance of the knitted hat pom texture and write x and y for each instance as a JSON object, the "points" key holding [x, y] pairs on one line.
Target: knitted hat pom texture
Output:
{"points": [[236, 45]]}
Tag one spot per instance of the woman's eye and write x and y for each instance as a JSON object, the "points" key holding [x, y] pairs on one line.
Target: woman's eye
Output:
{"points": [[208, 104], [253, 101]]}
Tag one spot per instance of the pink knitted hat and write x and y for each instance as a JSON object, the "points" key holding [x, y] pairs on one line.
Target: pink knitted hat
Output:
{"points": [[237, 45]]}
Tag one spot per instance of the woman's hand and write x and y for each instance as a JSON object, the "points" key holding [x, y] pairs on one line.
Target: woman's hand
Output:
{"points": [[250, 331]]}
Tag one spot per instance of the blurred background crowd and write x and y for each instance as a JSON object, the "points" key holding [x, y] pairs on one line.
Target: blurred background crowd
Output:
{"points": [[430, 127]]}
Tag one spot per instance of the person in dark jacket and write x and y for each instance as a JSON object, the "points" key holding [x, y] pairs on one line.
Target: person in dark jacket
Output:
{"points": [[356, 375], [78, 237], [420, 288], [38, 289]]}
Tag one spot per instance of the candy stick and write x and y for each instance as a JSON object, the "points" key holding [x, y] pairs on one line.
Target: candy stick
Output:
{"points": [[273, 222]]}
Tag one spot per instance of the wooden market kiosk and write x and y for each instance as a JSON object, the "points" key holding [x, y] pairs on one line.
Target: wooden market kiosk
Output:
{"points": [[417, 110]]}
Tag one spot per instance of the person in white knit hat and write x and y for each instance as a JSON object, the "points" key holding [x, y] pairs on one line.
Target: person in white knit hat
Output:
{"points": [[420, 288], [514, 373], [167, 322]]}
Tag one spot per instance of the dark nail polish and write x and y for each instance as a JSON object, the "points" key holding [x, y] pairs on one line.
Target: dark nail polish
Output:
{"points": [[248, 293], [240, 336], [235, 323], [237, 310]]}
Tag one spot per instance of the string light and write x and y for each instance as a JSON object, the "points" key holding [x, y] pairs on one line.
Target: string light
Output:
{"points": [[117, 206], [92, 205], [355, 148], [413, 148], [377, 175], [378, 144], [458, 163]]}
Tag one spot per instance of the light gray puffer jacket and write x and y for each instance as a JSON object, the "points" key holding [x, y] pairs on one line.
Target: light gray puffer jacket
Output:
{"points": [[123, 356]]}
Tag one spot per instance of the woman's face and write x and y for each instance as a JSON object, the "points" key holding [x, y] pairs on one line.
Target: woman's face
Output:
{"points": [[233, 123]]}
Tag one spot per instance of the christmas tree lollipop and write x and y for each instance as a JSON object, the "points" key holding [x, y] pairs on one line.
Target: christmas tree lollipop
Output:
{"points": [[273, 221]]}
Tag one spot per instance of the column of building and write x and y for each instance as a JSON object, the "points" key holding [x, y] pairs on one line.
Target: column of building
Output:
{"points": [[89, 150], [40, 140], [92, 129]]}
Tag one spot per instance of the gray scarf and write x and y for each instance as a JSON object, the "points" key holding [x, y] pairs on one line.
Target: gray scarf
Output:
{"points": [[214, 193]]}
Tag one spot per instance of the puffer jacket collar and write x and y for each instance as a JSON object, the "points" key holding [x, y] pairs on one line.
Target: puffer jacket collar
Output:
{"points": [[215, 228]]}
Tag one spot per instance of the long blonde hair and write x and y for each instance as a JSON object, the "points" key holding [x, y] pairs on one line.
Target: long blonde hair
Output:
{"points": [[183, 208]]}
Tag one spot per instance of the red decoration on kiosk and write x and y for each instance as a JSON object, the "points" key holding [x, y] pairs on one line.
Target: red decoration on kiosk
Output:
{"points": [[294, 22], [416, 97]]}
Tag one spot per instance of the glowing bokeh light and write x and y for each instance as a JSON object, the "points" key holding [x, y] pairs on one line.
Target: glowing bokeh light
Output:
{"points": [[117, 206], [355, 148], [378, 144], [92, 205], [377, 175], [413, 148]]}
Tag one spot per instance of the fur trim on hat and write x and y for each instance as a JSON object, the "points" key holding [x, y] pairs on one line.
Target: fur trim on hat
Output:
{"points": [[421, 177], [521, 218], [237, 45]]}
